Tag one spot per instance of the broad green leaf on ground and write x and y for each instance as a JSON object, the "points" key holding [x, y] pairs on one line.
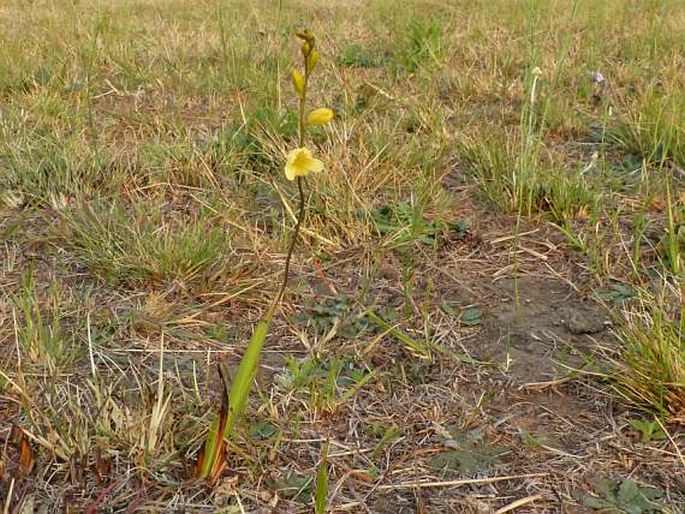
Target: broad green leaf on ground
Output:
{"points": [[623, 496]]}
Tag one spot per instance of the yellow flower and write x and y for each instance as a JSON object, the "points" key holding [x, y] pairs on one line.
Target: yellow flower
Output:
{"points": [[319, 116], [300, 162]]}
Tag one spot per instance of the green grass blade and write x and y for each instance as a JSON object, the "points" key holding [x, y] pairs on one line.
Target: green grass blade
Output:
{"points": [[421, 350], [321, 489]]}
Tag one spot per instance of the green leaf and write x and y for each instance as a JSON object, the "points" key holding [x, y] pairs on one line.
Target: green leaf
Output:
{"points": [[416, 348], [211, 448], [472, 317], [617, 293], [294, 487], [448, 309], [468, 460], [629, 497], [242, 382], [596, 503], [263, 430], [321, 483], [650, 430], [624, 496], [460, 227]]}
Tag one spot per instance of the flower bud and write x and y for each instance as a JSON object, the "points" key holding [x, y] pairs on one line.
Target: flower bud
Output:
{"points": [[306, 35], [319, 116], [298, 83], [306, 49], [312, 59]]}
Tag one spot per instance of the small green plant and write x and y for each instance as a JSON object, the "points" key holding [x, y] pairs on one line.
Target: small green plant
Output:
{"points": [[467, 452], [39, 329], [424, 43], [616, 293], [533, 441], [471, 317], [335, 316], [294, 486], [359, 56], [404, 223], [649, 430], [614, 495], [299, 163], [385, 436], [327, 385]]}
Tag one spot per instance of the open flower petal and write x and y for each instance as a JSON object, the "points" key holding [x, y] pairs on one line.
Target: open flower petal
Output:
{"points": [[300, 163], [316, 165]]}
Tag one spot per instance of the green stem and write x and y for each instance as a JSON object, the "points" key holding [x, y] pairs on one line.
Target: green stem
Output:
{"points": [[301, 111]]}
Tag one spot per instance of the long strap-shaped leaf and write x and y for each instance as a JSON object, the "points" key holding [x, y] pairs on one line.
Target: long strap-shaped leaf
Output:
{"points": [[231, 410]]}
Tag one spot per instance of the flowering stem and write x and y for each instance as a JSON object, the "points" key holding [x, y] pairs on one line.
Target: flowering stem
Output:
{"points": [[291, 248], [300, 215]]}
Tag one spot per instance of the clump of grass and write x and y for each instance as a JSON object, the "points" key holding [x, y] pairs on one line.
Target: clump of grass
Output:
{"points": [[509, 183], [39, 327], [653, 127], [424, 43], [139, 244], [515, 172], [651, 373], [87, 425], [46, 165]]}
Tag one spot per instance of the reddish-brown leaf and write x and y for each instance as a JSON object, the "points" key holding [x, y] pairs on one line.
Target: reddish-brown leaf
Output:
{"points": [[103, 467], [27, 457]]}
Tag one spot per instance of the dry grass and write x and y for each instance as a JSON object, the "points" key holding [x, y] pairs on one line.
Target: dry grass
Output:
{"points": [[477, 207]]}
